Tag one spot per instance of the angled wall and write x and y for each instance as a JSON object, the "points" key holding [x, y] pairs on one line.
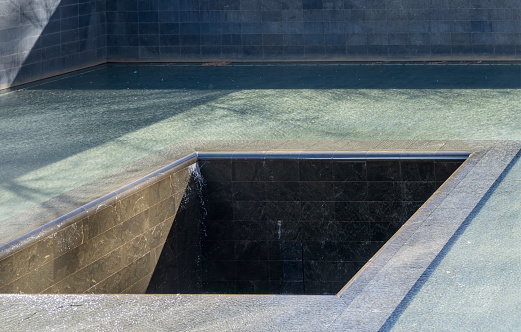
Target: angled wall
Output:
{"points": [[42, 38], [112, 248]]}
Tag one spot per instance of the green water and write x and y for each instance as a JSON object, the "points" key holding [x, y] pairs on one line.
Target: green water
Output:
{"points": [[64, 133], [476, 285]]}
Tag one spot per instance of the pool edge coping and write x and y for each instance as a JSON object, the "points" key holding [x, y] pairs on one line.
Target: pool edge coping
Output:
{"points": [[88, 209], [381, 286]]}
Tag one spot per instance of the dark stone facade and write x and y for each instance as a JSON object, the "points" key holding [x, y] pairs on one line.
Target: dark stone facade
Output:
{"points": [[178, 268], [288, 226], [38, 41], [293, 30], [40, 38]]}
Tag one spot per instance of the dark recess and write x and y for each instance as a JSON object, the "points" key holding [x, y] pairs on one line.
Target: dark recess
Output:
{"points": [[288, 226]]}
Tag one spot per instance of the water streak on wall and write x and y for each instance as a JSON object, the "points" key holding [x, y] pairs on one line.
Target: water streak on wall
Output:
{"points": [[40, 38]]}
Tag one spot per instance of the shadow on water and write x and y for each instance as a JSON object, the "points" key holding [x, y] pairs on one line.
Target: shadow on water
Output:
{"points": [[50, 120], [48, 129], [400, 309], [288, 76]]}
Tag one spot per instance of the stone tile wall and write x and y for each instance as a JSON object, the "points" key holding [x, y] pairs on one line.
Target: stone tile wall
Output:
{"points": [[178, 268], [43, 38], [297, 226], [277, 30], [304, 226], [112, 248]]}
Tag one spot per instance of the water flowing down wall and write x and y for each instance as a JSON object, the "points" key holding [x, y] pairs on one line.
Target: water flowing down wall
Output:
{"points": [[292, 224], [288, 226], [111, 245], [41, 38]]}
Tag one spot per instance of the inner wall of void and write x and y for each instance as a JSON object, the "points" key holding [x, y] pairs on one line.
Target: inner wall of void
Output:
{"points": [[288, 226], [230, 226], [110, 245]]}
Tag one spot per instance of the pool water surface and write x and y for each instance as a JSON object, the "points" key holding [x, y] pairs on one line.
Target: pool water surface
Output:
{"points": [[67, 131]]}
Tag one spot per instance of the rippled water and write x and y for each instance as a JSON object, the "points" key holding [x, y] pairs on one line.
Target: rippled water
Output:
{"points": [[476, 285], [66, 132]]}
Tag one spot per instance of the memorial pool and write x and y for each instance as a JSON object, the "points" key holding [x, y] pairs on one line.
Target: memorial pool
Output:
{"points": [[68, 132]]}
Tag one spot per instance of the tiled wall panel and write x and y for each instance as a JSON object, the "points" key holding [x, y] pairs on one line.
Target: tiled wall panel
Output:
{"points": [[264, 30], [114, 249], [178, 267], [43, 38], [304, 226], [252, 226]]}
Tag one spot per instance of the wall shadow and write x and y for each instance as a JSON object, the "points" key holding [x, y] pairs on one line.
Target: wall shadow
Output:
{"points": [[291, 77], [40, 39]]}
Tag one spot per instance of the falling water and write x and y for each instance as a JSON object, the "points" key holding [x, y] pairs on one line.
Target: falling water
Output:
{"points": [[196, 184], [199, 183]]}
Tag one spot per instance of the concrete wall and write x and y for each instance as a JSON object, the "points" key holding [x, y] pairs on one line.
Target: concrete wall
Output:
{"points": [[41, 38]]}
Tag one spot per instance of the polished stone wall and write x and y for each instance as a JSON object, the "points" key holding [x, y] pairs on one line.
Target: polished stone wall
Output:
{"points": [[304, 226], [290, 224], [112, 247], [342, 30], [178, 269], [41, 38]]}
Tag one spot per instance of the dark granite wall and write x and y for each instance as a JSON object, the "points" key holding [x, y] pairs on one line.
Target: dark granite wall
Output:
{"points": [[304, 226], [41, 38], [178, 267], [260, 30], [111, 247]]}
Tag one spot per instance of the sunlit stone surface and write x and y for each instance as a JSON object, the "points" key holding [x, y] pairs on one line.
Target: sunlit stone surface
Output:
{"points": [[477, 280]]}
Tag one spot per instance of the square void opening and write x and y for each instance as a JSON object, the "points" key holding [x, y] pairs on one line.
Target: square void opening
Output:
{"points": [[288, 226]]}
